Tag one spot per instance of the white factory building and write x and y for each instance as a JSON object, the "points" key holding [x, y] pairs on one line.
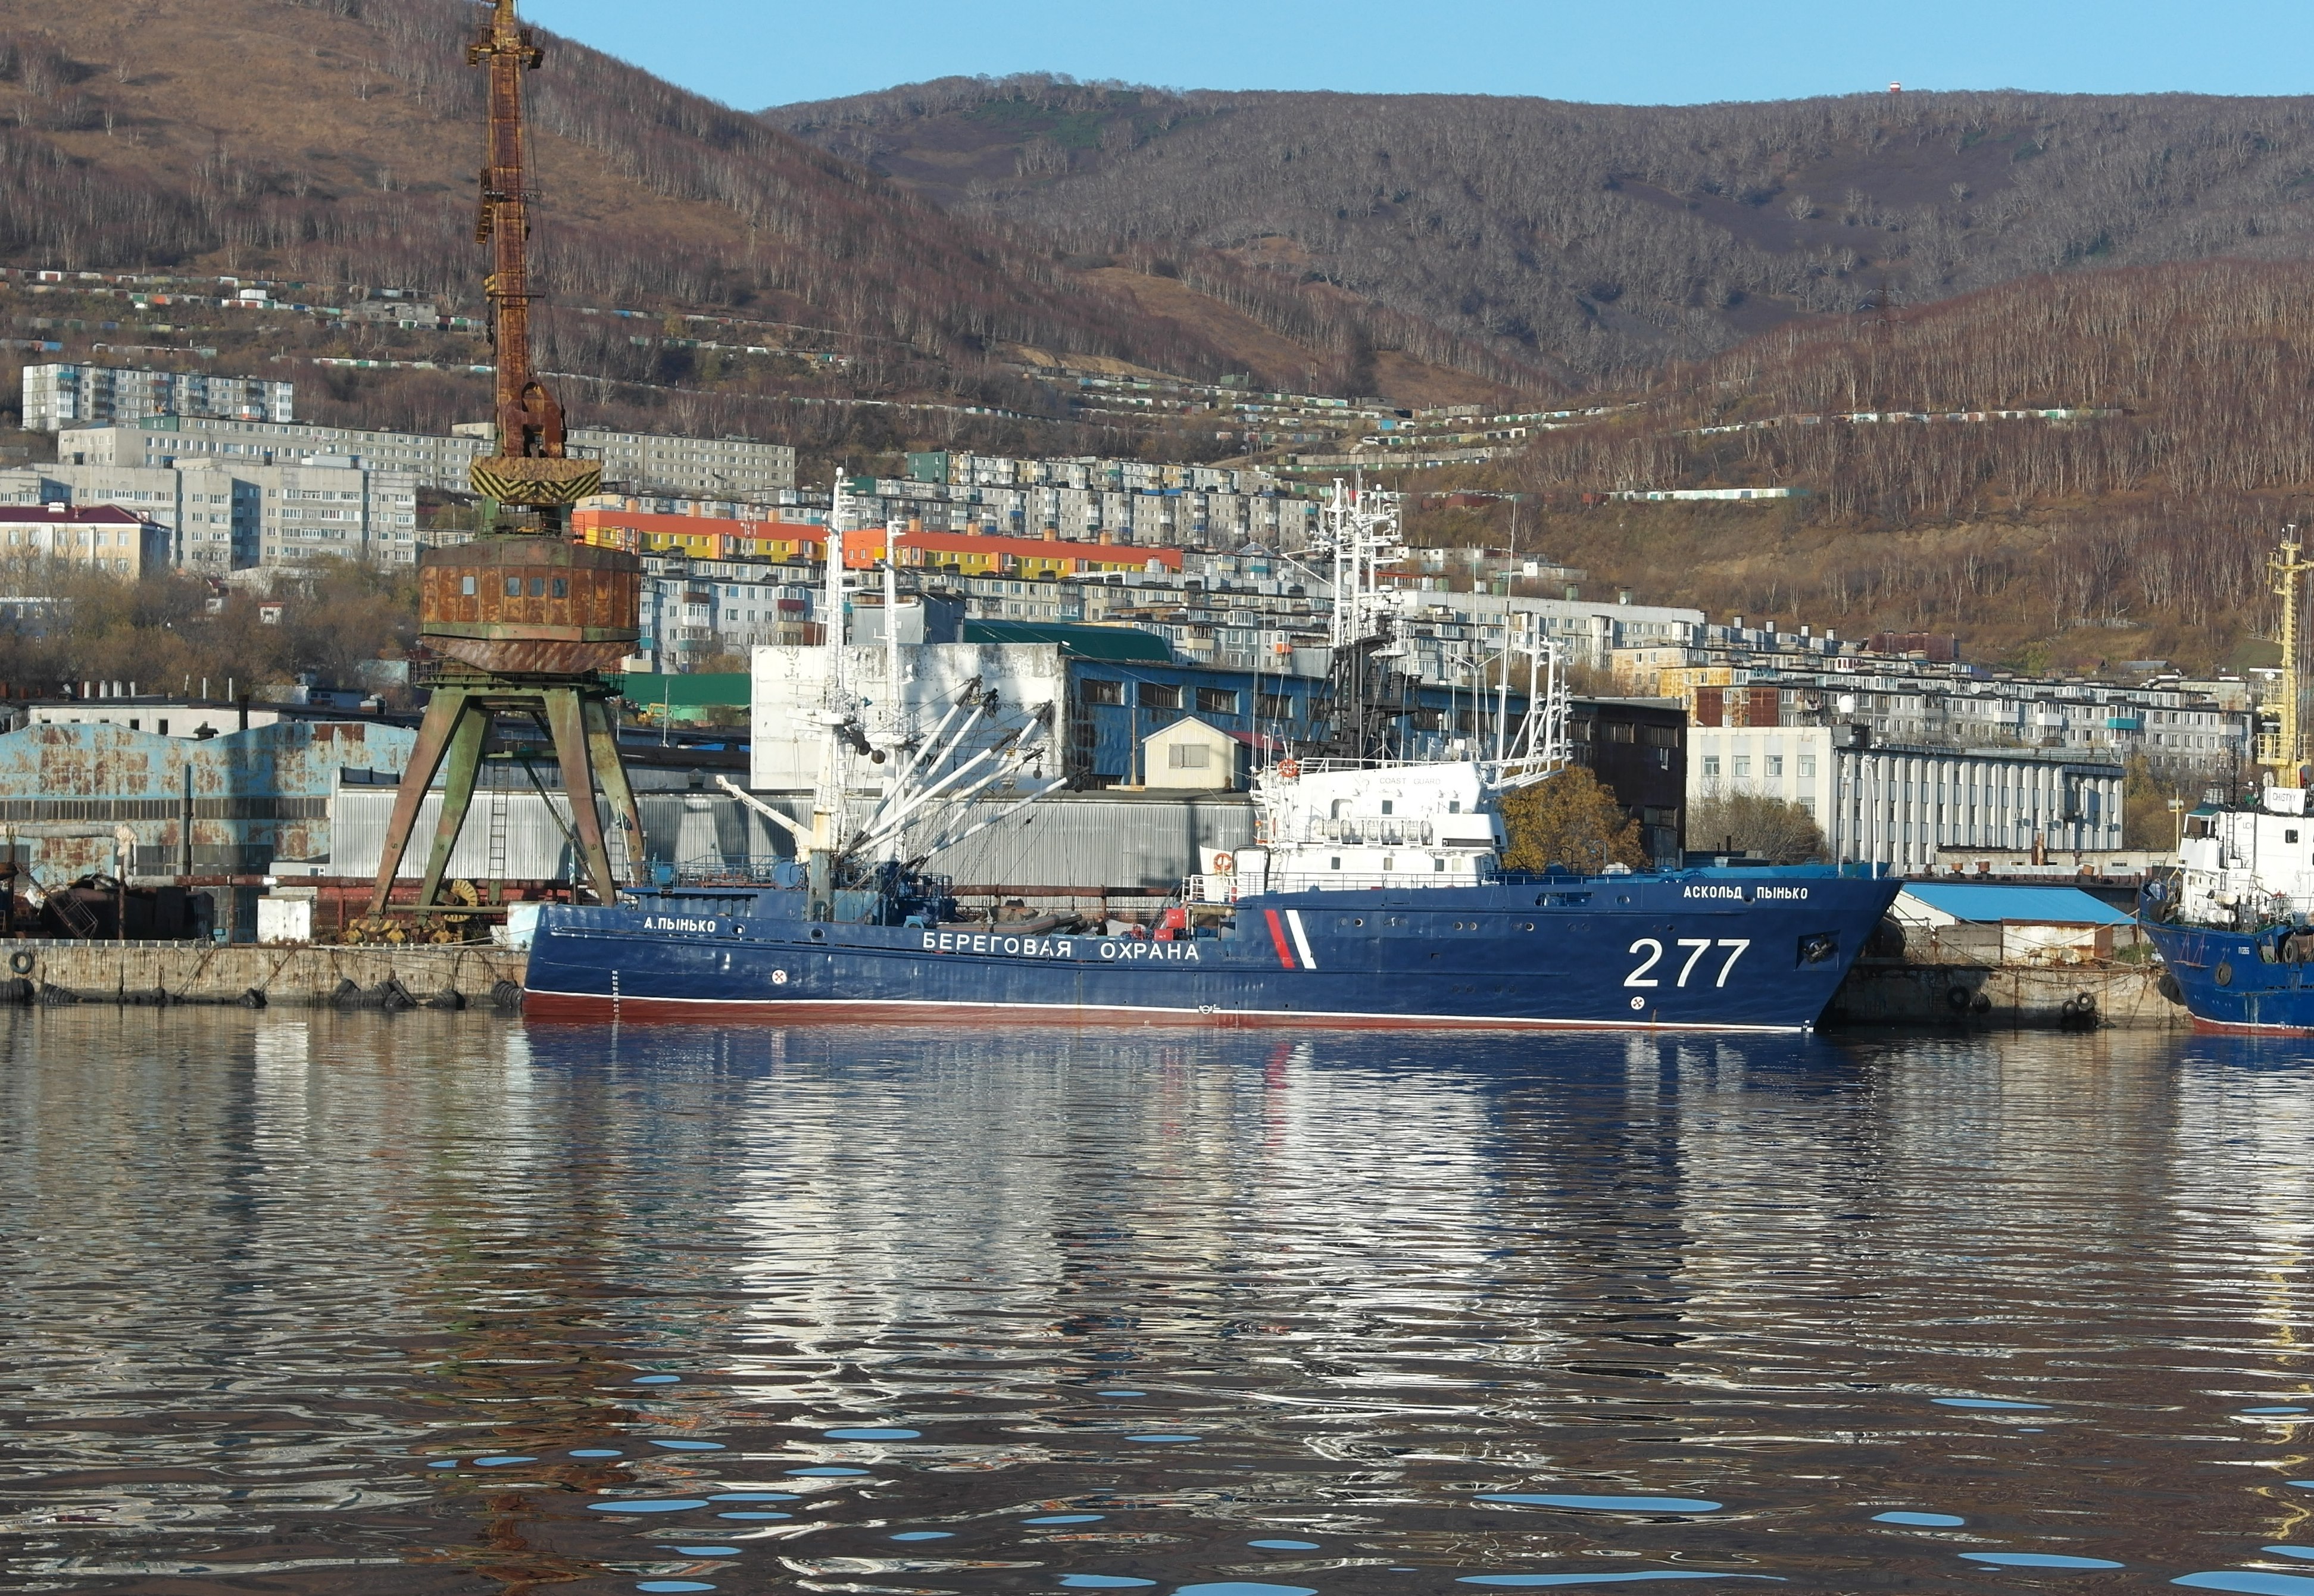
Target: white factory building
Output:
{"points": [[1897, 804]]}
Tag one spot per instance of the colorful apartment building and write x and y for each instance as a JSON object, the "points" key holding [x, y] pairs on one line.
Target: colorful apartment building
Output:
{"points": [[965, 554]]}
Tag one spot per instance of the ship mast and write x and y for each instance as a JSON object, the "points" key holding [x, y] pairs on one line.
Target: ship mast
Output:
{"points": [[2284, 751], [531, 470]]}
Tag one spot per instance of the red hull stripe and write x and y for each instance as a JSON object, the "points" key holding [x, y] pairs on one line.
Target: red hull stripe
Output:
{"points": [[1277, 940], [2229, 1028]]}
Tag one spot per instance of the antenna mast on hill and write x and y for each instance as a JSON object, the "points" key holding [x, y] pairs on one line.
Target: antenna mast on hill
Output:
{"points": [[531, 470]]}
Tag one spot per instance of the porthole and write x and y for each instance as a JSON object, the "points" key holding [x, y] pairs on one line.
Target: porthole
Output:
{"points": [[1528, 926]]}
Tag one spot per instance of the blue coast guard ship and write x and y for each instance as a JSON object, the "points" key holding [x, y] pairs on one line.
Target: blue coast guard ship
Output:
{"points": [[1375, 894]]}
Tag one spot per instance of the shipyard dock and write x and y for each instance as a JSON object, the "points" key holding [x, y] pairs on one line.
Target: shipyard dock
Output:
{"points": [[458, 976]]}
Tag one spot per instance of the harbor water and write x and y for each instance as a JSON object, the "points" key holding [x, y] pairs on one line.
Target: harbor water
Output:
{"points": [[435, 1303]]}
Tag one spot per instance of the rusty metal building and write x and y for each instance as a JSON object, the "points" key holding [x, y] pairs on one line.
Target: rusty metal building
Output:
{"points": [[232, 804]]}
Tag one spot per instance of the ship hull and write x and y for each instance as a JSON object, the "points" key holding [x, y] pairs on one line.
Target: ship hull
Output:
{"points": [[2227, 982], [1742, 951]]}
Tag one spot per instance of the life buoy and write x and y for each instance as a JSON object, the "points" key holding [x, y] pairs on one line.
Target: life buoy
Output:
{"points": [[1224, 863], [1289, 770], [22, 960]]}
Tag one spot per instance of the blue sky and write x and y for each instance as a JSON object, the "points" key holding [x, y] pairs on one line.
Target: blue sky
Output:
{"points": [[753, 53]]}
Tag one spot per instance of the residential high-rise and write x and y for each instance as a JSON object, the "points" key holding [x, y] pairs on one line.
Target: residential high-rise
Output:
{"points": [[58, 395]]}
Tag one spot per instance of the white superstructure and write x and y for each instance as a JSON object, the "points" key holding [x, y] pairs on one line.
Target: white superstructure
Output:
{"points": [[2248, 868]]}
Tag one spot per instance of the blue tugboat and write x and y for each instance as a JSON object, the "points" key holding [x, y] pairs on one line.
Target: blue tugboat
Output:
{"points": [[1375, 896], [2235, 923]]}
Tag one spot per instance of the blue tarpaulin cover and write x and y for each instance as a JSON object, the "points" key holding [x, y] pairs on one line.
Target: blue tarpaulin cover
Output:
{"points": [[2057, 905]]}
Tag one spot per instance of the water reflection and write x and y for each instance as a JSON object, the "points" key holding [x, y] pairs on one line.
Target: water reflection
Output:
{"points": [[435, 1303]]}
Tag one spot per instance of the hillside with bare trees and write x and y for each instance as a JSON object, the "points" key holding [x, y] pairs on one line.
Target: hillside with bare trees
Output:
{"points": [[336, 141], [2140, 530], [1604, 240]]}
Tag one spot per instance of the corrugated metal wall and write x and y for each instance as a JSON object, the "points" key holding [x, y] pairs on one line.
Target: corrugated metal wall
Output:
{"points": [[1077, 841], [1069, 841], [257, 795], [532, 844]]}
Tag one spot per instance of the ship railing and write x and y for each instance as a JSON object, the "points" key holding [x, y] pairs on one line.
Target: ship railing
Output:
{"points": [[758, 869], [1282, 878]]}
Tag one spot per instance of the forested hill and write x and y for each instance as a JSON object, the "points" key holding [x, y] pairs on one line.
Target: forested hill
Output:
{"points": [[1605, 239], [337, 140]]}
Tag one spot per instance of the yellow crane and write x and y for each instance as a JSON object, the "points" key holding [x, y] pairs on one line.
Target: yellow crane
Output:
{"points": [[2282, 751]]}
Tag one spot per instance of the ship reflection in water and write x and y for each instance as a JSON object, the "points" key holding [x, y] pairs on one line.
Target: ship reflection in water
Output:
{"points": [[434, 1303]]}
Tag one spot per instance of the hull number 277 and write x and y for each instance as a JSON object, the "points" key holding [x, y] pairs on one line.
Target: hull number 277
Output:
{"points": [[1697, 946]]}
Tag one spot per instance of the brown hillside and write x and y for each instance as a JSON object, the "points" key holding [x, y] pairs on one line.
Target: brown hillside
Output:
{"points": [[2136, 535], [335, 142], [338, 143], [1604, 240]]}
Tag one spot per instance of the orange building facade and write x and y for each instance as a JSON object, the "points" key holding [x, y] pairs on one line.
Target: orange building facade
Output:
{"points": [[971, 554]]}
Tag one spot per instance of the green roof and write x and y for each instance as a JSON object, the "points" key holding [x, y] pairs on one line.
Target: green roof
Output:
{"points": [[1086, 642], [649, 688]]}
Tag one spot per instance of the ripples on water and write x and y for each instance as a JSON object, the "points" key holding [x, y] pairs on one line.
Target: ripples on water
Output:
{"points": [[438, 1303]]}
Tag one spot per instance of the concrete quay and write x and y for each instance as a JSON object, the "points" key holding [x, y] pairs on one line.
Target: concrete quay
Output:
{"points": [[358, 976], [1892, 992]]}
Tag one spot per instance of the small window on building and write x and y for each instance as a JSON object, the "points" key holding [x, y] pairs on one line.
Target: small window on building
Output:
{"points": [[513, 587], [1772, 764], [1216, 700], [1807, 766], [1187, 757], [1098, 692], [1621, 731], [1159, 695], [1438, 867], [1337, 863], [538, 588], [1387, 808], [1743, 766], [562, 587], [1711, 766]]}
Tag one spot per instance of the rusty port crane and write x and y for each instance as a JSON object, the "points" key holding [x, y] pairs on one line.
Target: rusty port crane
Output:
{"points": [[524, 620]]}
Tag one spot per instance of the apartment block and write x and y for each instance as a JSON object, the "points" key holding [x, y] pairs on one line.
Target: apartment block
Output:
{"points": [[222, 518], [95, 537], [324, 507], [726, 469], [721, 468], [57, 396]]}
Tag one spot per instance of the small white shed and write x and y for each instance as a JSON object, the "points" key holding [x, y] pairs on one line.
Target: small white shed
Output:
{"points": [[1190, 753]]}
